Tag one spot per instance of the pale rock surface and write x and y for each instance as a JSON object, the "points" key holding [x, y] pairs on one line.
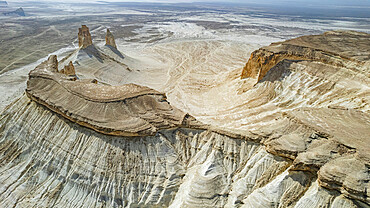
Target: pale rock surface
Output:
{"points": [[127, 110], [339, 48], [51, 162], [288, 139], [51, 64]]}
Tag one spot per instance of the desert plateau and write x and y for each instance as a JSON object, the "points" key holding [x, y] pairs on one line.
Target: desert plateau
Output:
{"points": [[185, 104]]}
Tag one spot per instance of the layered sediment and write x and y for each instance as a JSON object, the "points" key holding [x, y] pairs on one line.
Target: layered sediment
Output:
{"points": [[127, 110], [73, 142], [329, 143], [338, 48]]}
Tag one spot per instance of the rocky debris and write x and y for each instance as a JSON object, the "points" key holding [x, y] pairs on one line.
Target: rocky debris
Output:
{"points": [[338, 48], [84, 37], [109, 39], [287, 145], [69, 69]]}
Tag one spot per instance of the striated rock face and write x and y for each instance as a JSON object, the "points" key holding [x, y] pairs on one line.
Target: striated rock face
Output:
{"points": [[127, 110], [300, 140], [69, 69], [51, 162], [338, 48], [84, 37], [109, 39], [318, 143], [48, 161]]}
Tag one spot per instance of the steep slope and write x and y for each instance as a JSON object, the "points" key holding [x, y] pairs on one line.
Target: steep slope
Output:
{"points": [[208, 85], [338, 48], [127, 110], [296, 138], [106, 64], [48, 161]]}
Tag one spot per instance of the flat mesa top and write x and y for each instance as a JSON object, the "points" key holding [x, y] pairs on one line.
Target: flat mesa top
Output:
{"points": [[89, 90], [125, 110], [347, 44]]}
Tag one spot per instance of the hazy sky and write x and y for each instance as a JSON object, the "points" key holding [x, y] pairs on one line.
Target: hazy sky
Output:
{"points": [[347, 2], [281, 2]]}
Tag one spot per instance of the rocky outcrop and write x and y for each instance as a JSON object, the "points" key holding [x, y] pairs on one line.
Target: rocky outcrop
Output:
{"points": [[338, 48], [109, 39], [84, 37], [69, 69], [301, 141], [54, 163], [127, 110], [336, 151], [51, 64], [66, 165]]}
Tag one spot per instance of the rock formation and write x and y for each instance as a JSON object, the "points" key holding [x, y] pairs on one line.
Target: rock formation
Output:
{"points": [[78, 143], [84, 37], [327, 48], [127, 110], [99, 63], [69, 69], [109, 39], [50, 64], [319, 144]]}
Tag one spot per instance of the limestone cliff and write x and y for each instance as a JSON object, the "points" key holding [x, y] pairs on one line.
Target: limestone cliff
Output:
{"points": [[84, 37], [127, 110], [338, 48], [301, 141], [109, 39], [52, 162]]}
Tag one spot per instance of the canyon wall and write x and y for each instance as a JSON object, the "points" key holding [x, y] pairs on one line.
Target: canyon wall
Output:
{"points": [[338, 48], [75, 142]]}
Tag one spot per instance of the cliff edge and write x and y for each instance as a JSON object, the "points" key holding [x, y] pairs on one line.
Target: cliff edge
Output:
{"points": [[126, 110], [338, 48]]}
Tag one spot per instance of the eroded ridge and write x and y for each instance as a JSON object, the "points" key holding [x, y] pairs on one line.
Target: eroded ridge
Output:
{"points": [[339, 48], [126, 110], [329, 143], [304, 142]]}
